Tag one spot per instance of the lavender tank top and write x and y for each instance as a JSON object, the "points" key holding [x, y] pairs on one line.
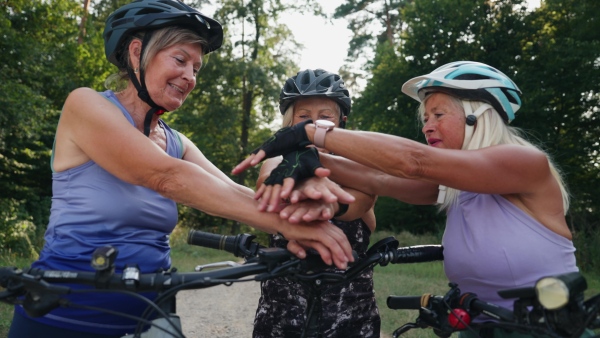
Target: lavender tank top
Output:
{"points": [[92, 208], [490, 244]]}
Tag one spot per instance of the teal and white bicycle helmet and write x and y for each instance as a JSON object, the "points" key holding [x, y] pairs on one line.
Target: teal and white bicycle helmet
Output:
{"points": [[469, 81]]}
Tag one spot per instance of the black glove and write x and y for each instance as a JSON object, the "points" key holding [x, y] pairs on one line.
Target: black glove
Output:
{"points": [[285, 140], [298, 165]]}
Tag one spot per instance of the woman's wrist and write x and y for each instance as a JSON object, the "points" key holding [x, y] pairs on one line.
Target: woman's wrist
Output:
{"points": [[342, 209], [310, 129]]}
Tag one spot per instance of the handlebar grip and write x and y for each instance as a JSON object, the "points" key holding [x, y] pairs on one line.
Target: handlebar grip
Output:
{"points": [[492, 310], [404, 302], [5, 274], [419, 254], [213, 241]]}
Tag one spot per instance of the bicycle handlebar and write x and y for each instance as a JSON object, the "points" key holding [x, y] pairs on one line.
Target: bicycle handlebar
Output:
{"points": [[38, 292], [43, 295], [471, 304], [455, 310], [241, 245]]}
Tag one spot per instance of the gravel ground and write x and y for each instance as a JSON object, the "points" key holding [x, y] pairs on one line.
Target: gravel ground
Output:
{"points": [[220, 311]]}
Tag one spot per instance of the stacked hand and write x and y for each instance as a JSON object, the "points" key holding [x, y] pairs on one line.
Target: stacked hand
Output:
{"points": [[285, 140], [298, 165], [312, 199], [300, 180]]}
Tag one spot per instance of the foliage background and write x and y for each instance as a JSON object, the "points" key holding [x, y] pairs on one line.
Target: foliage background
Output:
{"points": [[50, 47]]}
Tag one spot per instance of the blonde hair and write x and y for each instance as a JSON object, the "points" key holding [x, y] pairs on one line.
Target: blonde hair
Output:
{"points": [[161, 39], [491, 130], [288, 116]]}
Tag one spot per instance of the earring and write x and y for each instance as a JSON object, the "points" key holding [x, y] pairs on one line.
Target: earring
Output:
{"points": [[136, 70]]}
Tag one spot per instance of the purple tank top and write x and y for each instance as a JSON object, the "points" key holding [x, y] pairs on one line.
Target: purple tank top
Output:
{"points": [[92, 208], [490, 244]]}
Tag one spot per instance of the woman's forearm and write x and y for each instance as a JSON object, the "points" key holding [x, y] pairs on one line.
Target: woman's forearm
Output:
{"points": [[374, 182]]}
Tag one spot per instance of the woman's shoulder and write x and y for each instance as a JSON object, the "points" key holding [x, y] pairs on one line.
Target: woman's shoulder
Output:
{"points": [[84, 91], [83, 95], [516, 156], [81, 99]]}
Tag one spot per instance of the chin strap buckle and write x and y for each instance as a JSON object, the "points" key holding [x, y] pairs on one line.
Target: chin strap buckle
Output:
{"points": [[442, 194]]}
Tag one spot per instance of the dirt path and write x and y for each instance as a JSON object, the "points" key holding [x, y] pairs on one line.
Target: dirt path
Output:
{"points": [[221, 311]]}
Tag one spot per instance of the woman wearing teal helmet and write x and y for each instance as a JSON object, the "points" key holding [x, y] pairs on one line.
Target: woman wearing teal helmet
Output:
{"points": [[504, 199], [119, 171]]}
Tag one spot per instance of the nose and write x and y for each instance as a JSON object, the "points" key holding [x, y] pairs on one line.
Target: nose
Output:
{"points": [[189, 74], [428, 127]]}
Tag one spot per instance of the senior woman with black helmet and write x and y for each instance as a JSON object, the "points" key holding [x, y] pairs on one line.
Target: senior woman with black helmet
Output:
{"points": [[119, 170], [349, 310], [504, 199]]}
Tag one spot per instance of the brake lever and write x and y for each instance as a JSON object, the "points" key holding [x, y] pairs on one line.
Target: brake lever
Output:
{"points": [[40, 296], [404, 328], [10, 296], [384, 245]]}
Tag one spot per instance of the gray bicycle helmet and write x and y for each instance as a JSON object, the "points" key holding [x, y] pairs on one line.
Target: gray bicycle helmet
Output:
{"points": [[142, 15], [317, 82], [469, 81]]}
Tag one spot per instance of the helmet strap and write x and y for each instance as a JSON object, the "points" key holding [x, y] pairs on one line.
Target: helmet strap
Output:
{"points": [[471, 119], [342, 120], [148, 119], [142, 90], [441, 194]]}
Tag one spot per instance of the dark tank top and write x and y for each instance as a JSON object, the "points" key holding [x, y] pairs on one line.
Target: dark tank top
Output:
{"points": [[348, 310]]}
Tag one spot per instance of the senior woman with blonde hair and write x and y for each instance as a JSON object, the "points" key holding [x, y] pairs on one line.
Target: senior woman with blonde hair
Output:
{"points": [[504, 198]]}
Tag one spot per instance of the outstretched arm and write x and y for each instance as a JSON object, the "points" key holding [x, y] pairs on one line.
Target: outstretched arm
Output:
{"points": [[376, 182], [89, 120], [501, 169]]}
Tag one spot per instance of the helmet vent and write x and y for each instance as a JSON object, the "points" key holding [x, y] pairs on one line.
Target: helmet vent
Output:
{"points": [[471, 77], [315, 82], [156, 14]]}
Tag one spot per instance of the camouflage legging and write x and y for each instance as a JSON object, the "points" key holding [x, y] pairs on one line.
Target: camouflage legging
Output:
{"points": [[347, 311]]}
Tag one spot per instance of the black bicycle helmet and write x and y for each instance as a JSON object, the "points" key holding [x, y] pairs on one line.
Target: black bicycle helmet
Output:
{"points": [[142, 15], [147, 16], [317, 82]]}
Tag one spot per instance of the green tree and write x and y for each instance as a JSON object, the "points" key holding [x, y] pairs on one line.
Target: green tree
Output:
{"points": [[42, 60], [233, 108], [560, 78], [432, 34], [551, 53], [29, 31], [372, 23]]}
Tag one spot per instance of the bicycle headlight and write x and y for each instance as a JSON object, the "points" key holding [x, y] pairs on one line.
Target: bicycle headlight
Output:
{"points": [[103, 258], [556, 291]]}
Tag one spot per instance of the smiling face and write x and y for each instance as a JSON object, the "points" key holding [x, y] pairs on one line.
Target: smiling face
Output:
{"points": [[316, 108], [171, 74], [443, 122]]}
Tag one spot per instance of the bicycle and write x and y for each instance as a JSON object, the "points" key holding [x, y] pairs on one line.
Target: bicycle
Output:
{"points": [[37, 292], [553, 307]]}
